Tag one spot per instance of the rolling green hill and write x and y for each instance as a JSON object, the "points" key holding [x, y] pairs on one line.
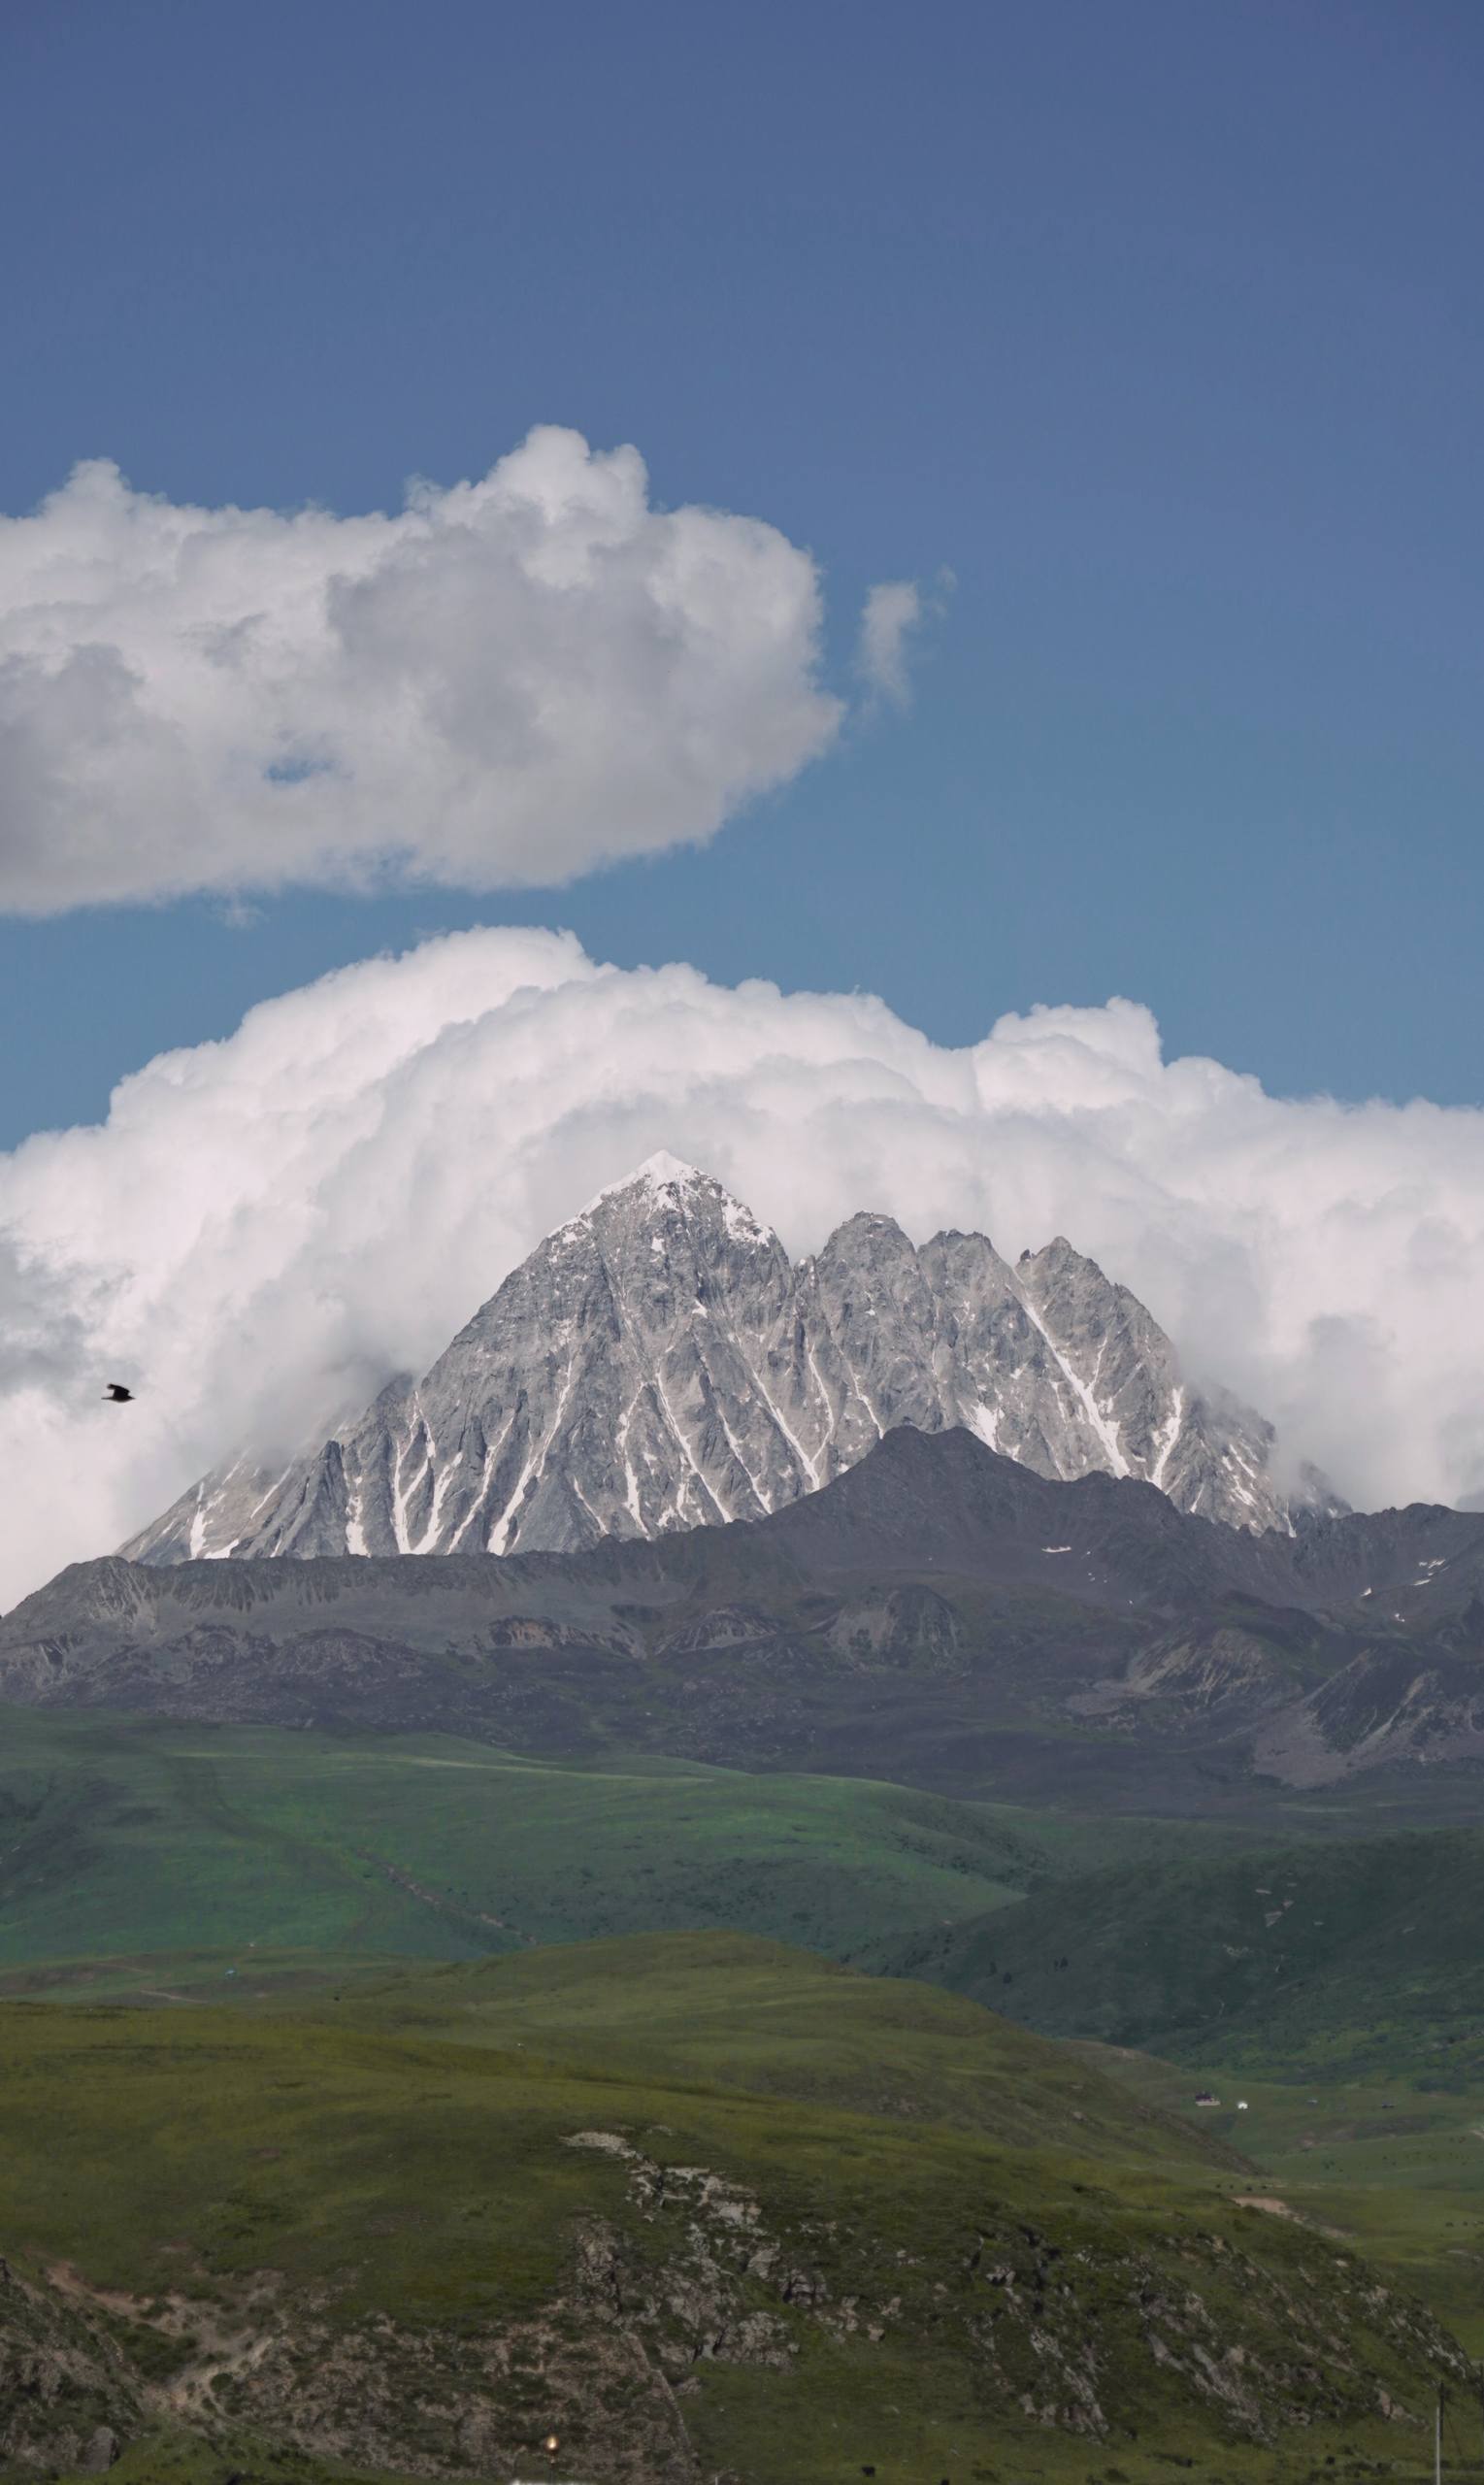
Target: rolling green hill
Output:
{"points": [[131, 1836], [317, 2209], [1393, 2164], [720, 2009], [1347, 1955], [391, 2235]]}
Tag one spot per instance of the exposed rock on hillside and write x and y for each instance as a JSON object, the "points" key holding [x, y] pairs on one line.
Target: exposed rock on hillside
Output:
{"points": [[1078, 2323]]}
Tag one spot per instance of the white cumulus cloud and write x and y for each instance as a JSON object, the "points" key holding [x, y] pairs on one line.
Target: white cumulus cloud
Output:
{"points": [[265, 1228], [508, 682], [892, 612]]}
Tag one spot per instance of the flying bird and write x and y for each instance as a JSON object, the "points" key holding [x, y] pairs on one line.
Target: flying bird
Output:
{"points": [[117, 1394]]}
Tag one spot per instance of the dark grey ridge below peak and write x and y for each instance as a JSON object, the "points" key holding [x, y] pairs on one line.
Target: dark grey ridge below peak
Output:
{"points": [[659, 1363], [938, 1616]]}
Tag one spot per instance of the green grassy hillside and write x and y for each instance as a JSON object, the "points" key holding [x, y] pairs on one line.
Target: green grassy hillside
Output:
{"points": [[1395, 2165], [723, 2010], [394, 2232], [315, 2210], [127, 1835], [1352, 1956]]}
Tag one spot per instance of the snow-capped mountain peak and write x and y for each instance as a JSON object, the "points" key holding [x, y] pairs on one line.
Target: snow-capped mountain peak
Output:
{"points": [[660, 1176], [658, 1363]]}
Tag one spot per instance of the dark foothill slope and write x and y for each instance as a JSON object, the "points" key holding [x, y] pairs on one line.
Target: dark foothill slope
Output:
{"points": [[1346, 1954], [944, 1502], [937, 1613]]}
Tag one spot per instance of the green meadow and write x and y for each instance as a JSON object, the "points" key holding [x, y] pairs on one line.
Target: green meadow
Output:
{"points": [[299, 2035], [256, 2192], [1342, 1957], [125, 1835], [1394, 2165]]}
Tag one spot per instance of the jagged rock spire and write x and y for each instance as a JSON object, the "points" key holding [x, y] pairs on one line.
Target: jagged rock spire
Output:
{"points": [[658, 1363]]}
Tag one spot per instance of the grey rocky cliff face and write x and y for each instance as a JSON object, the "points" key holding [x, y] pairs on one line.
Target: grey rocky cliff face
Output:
{"points": [[659, 1363]]}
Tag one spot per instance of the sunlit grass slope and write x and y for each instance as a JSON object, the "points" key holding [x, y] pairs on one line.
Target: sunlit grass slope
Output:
{"points": [[127, 1835], [722, 2209], [1395, 2164]]}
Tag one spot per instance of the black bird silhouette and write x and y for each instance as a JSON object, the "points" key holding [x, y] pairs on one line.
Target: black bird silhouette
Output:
{"points": [[117, 1394]]}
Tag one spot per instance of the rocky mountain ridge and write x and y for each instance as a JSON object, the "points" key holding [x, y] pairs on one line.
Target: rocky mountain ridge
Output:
{"points": [[658, 1363], [939, 1615]]}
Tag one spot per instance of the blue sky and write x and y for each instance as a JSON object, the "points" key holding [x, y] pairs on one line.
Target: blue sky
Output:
{"points": [[1158, 326]]}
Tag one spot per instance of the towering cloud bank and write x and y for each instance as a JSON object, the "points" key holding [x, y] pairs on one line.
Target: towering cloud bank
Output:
{"points": [[508, 682], [266, 1228]]}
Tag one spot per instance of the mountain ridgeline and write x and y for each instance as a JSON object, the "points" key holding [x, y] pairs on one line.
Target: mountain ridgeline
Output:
{"points": [[939, 1615], [659, 1364]]}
